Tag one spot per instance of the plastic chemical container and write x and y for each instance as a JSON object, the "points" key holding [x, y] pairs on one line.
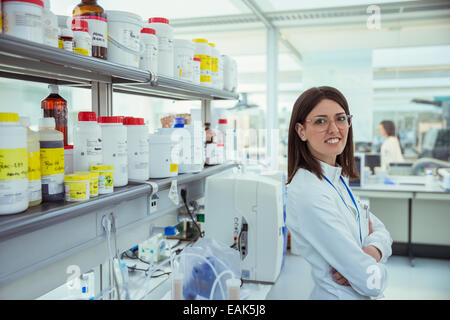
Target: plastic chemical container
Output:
{"points": [[215, 57], [34, 164], [76, 186], [90, 11], [105, 177], [82, 41], [114, 143], [203, 51], [229, 73], [13, 165], [87, 141], [222, 140], [220, 79], [68, 159], [50, 25], [23, 19], [93, 182], [183, 54], [164, 33], [196, 161], [55, 106], [123, 37], [164, 157], [196, 70], [52, 160], [137, 138], [149, 50], [65, 41]]}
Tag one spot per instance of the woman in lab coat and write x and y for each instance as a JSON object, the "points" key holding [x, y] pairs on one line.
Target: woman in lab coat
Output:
{"points": [[390, 149], [346, 245]]}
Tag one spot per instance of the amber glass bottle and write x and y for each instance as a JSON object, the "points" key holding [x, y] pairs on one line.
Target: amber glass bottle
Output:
{"points": [[55, 106], [90, 11]]}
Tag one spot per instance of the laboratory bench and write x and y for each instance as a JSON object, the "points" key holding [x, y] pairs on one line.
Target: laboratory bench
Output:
{"points": [[416, 215], [40, 247]]}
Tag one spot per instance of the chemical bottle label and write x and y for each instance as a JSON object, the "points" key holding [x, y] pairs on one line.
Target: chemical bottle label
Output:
{"points": [[34, 166], [214, 64], [13, 164], [173, 167], [205, 67], [81, 51], [93, 187], [105, 180], [97, 30], [52, 157], [76, 191]]}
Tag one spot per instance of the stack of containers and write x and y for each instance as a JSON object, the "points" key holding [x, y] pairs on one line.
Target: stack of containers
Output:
{"points": [[23, 19], [149, 50], [183, 54], [164, 32], [203, 52], [124, 30], [52, 160], [114, 143], [13, 165], [215, 57], [87, 141], [34, 164], [138, 158]]}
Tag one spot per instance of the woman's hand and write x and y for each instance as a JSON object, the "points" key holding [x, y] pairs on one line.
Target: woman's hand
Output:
{"points": [[373, 252], [339, 278]]}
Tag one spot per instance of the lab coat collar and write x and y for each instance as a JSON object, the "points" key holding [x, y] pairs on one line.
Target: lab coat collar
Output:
{"points": [[332, 173]]}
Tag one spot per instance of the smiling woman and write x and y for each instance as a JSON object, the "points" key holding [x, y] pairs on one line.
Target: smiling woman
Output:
{"points": [[345, 244]]}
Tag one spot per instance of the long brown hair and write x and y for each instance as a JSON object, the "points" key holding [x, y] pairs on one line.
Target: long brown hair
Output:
{"points": [[299, 156]]}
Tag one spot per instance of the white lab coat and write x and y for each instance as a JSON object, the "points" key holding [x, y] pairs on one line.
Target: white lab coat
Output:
{"points": [[326, 233], [390, 152]]}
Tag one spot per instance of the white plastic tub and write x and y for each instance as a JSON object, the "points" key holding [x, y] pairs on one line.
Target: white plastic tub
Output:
{"points": [[164, 33], [124, 30], [183, 55], [149, 50], [87, 141], [23, 19], [163, 156]]}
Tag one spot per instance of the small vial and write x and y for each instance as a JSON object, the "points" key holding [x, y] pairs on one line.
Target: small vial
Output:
{"points": [[233, 289], [66, 39]]}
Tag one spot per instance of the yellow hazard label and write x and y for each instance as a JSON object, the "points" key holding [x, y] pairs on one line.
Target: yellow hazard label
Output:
{"points": [[13, 164], [52, 161]]}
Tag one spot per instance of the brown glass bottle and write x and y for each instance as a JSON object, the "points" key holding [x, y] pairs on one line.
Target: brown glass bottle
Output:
{"points": [[55, 106], [90, 11]]}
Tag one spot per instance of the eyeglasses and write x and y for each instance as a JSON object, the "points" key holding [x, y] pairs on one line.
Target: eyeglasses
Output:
{"points": [[319, 123]]}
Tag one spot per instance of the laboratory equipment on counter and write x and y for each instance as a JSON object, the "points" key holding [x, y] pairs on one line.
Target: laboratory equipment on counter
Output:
{"points": [[247, 210], [419, 166], [445, 173], [400, 168], [436, 144], [359, 165]]}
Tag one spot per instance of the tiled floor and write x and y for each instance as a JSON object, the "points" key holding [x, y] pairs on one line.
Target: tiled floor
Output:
{"points": [[428, 279]]}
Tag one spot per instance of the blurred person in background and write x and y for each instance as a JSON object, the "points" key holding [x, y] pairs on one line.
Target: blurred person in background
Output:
{"points": [[390, 149]]}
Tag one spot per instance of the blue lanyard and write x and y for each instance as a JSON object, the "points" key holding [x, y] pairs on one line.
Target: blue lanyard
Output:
{"points": [[353, 199]]}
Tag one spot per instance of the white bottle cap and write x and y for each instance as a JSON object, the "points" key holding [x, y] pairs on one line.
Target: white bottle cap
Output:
{"points": [[24, 121], [47, 123], [53, 88]]}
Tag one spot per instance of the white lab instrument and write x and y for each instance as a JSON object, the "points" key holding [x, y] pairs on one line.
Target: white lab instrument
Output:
{"points": [[445, 173], [247, 210]]}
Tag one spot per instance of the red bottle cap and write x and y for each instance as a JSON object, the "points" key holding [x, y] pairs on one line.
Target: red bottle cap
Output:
{"points": [[158, 20], [116, 119], [148, 30], [87, 116], [197, 59], [223, 121], [130, 121], [69, 146], [37, 2]]}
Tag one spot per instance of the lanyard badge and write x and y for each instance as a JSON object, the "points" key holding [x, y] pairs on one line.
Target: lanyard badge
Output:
{"points": [[353, 200]]}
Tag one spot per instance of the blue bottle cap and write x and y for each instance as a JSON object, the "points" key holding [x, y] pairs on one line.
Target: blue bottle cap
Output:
{"points": [[170, 231], [179, 123]]}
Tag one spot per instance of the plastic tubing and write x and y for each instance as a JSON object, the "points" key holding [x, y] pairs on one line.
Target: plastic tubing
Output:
{"points": [[217, 280]]}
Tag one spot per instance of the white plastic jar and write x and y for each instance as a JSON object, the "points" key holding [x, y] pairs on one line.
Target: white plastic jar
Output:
{"points": [[105, 177], [124, 30], [87, 141], [149, 50], [196, 70], [163, 157], [50, 25], [203, 51], [76, 186], [215, 57], [183, 54], [164, 33], [13, 165], [82, 41], [138, 158], [115, 150], [23, 19], [229, 73]]}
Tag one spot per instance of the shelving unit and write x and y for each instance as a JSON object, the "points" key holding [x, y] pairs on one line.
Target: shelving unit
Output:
{"points": [[38, 246]]}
